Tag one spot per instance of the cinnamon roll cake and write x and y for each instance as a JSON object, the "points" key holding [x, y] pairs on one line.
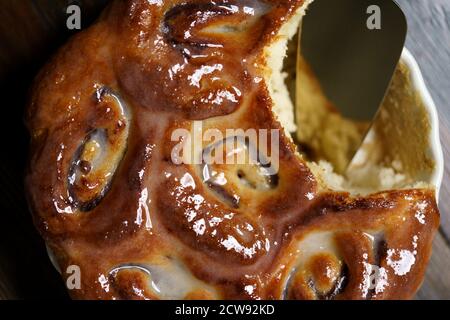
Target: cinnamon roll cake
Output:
{"points": [[107, 196]]}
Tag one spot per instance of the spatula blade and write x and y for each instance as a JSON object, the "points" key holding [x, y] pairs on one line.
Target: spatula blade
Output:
{"points": [[353, 47]]}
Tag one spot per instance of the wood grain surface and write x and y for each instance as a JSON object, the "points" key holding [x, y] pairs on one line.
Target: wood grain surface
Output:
{"points": [[31, 30]]}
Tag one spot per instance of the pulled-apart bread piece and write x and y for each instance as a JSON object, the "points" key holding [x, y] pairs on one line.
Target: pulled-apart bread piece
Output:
{"points": [[108, 197]]}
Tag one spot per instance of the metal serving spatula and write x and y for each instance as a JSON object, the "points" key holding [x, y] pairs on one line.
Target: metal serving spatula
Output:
{"points": [[353, 47]]}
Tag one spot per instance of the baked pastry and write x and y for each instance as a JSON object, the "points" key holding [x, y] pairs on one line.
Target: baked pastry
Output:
{"points": [[108, 197]]}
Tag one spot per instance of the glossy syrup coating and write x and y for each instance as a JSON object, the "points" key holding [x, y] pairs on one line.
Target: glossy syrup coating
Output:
{"points": [[106, 195]]}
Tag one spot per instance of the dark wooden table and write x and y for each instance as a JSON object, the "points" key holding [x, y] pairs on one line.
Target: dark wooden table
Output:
{"points": [[30, 30]]}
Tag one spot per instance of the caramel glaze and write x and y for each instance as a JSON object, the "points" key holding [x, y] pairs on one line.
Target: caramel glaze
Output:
{"points": [[170, 63]]}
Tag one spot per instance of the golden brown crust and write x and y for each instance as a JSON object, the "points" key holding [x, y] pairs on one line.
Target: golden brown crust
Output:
{"points": [[147, 68]]}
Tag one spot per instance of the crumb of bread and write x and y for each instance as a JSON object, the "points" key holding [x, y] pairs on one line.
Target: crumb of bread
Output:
{"points": [[283, 106], [377, 178], [327, 133]]}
